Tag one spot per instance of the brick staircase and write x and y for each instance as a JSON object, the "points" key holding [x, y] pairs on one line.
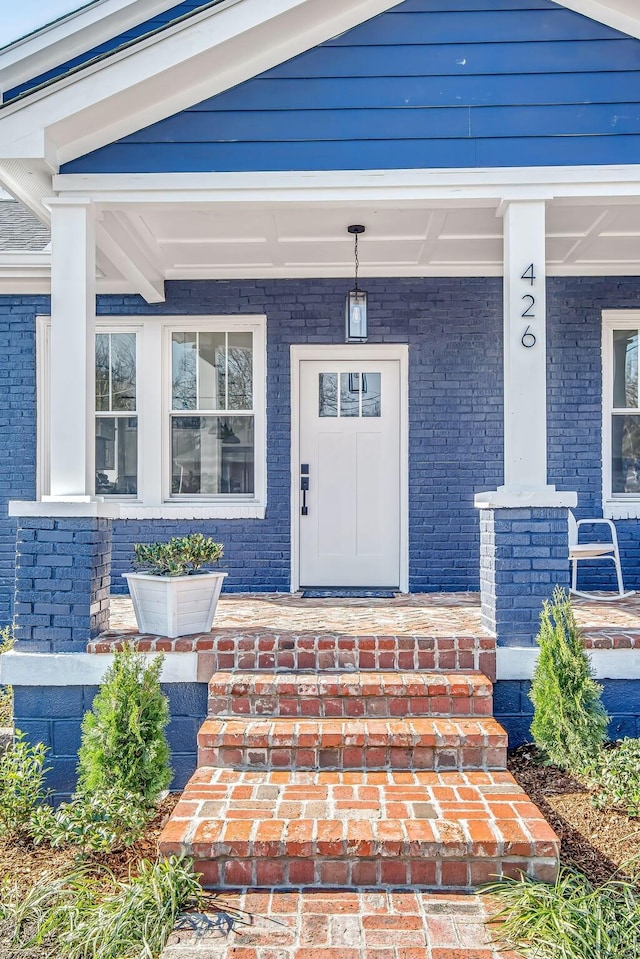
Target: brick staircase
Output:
{"points": [[391, 774]]}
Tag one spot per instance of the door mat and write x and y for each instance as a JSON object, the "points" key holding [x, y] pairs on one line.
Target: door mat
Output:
{"points": [[348, 593]]}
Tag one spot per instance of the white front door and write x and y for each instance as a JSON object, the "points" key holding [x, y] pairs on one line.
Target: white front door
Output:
{"points": [[350, 461]]}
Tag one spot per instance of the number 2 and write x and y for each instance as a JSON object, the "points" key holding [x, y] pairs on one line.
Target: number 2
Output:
{"points": [[528, 312]]}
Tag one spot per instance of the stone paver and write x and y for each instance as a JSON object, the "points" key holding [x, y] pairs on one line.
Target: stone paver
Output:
{"points": [[345, 924]]}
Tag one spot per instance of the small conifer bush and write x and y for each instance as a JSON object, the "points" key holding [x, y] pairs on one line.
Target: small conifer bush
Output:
{"points": [[569, 724], [123, 741]]}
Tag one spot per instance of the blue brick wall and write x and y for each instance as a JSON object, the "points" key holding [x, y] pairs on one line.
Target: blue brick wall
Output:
{"points": [[63, 579], [455, 414], [513, 708], [574, 371], [454, 331], [17, 424], [52, 715], [523, 555]]}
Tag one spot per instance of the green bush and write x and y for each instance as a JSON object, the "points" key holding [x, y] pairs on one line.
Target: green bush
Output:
{"points": [[180, 556], [22, 773], [102, 822], [616, 778], [569, 724], [570, 919], [123, 742], [87, 914]]}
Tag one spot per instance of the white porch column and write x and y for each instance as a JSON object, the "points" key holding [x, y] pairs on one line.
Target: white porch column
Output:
{"points": [[525, 348], [73, 307]]}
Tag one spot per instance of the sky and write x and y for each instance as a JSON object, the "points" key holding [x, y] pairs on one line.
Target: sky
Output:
{"points": [[19, 18]]}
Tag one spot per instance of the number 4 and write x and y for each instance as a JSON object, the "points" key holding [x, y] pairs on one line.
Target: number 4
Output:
{"points": [[529, 274]]}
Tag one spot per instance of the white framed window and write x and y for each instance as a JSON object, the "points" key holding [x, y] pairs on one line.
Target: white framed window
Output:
{"points": [[620, 414], [180, 415]]}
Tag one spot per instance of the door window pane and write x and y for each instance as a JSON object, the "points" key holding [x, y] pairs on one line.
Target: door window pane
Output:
{"points": [[625, 454], [349, 394], [328, 390], [625, 369], [212, 455], [116, 455], [371, 394]]}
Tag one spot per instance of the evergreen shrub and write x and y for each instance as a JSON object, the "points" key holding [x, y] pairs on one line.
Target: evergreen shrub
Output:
{"points": [[569, 724], [124, 746]]}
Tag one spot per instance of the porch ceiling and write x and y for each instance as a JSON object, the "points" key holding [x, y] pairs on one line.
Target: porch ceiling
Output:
{"points": [[442, 238]]}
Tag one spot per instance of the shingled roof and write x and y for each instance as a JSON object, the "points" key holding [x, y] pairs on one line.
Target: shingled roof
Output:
{"points": [[20, 229]]}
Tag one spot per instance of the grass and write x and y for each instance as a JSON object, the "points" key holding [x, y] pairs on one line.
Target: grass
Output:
{"points": [[89, 914], [570, 919]]}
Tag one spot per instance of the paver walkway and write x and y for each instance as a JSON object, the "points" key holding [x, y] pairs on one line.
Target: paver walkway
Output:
{"points": [[344, 924], [415, 614]]}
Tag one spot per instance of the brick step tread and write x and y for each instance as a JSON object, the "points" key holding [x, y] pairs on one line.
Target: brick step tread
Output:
{"points": [[350, 694], [347, 924], [334, 828], [409, 743]]}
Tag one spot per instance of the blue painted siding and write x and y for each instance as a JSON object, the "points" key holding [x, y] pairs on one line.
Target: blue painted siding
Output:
{"points": [[455, 408], [134, 33], [430, 83]]}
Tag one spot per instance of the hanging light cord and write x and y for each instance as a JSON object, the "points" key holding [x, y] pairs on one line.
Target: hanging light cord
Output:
{"points": [[357, 261]]}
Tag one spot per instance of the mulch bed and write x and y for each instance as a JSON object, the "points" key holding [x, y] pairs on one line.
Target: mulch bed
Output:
{"points": [[25, 863], [597, 841]]}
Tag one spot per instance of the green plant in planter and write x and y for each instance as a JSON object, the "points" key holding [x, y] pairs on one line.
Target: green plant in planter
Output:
{"points": [[180, 556]]}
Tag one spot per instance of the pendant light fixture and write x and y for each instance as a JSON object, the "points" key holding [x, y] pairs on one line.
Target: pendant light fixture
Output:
{"points": [[356, 300]]}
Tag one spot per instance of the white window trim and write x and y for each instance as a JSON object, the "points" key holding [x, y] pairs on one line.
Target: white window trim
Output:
{"points": [[621, 505], [153, 390]]}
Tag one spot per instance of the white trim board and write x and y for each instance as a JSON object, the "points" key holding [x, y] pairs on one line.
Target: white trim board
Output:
{"points": [[84, 669], [87, 669], [518, 663], [351, 351], [621, 506], [71, 35]]}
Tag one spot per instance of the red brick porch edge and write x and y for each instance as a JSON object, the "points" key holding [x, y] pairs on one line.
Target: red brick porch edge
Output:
{"points": [[228, 650]]}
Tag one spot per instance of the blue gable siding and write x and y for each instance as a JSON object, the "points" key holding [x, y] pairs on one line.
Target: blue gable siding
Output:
{"points": [[430, 83], [134, 33]]}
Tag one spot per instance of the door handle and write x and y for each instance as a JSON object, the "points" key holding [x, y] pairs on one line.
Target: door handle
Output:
{"points": [[304, 486]]}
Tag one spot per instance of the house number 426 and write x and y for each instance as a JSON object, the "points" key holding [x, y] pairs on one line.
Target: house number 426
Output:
{"points": [[529, 301]]}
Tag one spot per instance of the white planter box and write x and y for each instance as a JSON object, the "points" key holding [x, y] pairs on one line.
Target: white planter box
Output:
{"points": [[174, 605]]}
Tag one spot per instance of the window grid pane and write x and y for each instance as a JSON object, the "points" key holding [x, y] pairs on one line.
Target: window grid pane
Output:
{"points": [[212, 371]]}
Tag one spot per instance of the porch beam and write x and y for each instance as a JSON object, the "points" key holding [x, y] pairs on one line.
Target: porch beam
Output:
{"points": [[122, 252], [72, 378]]}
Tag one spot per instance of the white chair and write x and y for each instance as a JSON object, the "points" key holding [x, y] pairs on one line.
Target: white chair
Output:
{"points": [[594, 550]]}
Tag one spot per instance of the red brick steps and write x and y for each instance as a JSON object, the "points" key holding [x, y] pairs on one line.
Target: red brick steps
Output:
{"points": [[350, 695], [335, 829], [415, 743], [379, 776]]}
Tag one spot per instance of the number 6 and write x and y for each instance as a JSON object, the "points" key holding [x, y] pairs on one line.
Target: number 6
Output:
{"points": [[528, 339]]}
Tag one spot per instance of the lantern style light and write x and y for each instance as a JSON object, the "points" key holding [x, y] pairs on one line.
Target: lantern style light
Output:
{"points": [[356, 300]]}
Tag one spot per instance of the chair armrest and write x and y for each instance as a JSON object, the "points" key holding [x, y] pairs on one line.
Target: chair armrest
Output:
{"points": [[600, 522]]}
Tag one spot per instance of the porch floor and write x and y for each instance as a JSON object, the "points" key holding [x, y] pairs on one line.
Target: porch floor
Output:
{"points": [[605, 623]]}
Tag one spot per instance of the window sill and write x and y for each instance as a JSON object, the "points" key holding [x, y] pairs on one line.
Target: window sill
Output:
{"points": [[193, 511], [98, 508], [621, 509]]}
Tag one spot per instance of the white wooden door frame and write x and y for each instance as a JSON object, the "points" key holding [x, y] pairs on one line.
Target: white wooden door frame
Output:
{"points": [[350, 352]]}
